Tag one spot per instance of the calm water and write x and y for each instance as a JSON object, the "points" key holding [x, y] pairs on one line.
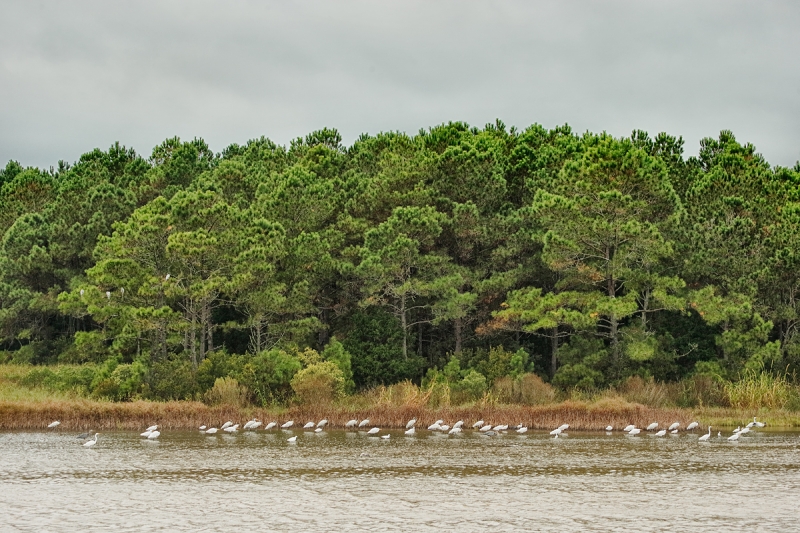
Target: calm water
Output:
{"points": [[186, 481]]}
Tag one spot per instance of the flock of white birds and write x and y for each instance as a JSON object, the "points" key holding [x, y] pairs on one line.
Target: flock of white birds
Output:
{"points": [[480, 427]]}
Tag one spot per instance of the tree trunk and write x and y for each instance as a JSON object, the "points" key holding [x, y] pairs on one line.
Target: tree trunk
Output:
{"points": [[554, 353], [457, 327], [404, 325]]}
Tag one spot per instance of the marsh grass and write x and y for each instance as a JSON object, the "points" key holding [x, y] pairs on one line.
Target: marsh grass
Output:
{"points": [[761, 389]]}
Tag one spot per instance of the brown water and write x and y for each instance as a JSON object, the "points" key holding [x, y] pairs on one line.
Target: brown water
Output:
{"points": [[186, 481]]}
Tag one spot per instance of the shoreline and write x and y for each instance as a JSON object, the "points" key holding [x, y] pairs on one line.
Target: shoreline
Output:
{"points": [[83, 414]]}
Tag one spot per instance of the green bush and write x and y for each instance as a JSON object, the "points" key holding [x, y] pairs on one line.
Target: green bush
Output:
{"points": [[227, 391], [268, 375], [469, 388], [172, 379], [336, 353], [320, 383]]}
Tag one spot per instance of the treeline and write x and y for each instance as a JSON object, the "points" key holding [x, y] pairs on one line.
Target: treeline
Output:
{"points": [[459, 253]]}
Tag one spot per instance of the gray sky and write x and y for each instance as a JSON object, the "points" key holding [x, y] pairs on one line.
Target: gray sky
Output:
{"points": [[80, 75]]}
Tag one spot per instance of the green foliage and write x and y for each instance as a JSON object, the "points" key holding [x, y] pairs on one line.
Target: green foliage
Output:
{"points": [[608, 259]]}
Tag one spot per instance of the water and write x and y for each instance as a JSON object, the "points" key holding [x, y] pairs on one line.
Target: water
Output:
{"points": [[186, 481]]}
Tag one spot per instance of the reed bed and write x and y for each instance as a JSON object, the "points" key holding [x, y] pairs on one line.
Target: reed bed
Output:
{"points": [[88, 414]]}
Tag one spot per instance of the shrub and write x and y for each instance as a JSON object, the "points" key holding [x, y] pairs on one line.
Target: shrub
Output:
{"points": [[172, 379], [470, 388], [578, 376], [336, 353], [268, 375], [527, 389], [227, 391], [649, 392], [319, 383]]}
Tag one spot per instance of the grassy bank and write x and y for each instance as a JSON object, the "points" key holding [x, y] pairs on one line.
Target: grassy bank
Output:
{"points": [[34, 407], [82, 414]]}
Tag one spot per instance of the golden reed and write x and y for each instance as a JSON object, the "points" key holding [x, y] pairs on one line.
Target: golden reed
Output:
{"points": [[87, 414]]}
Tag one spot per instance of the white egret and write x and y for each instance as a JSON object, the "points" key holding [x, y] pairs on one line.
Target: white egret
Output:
{"points": [[211, 431], [255, 425], [692, 426], [122, 291], [108, 295], [309, 425], [477, 424], [322, 423], [248, 424], [166, 278], [501, 427], [385, 436], [53, 424], [733, 437], [231, 429], [634, 431], [674, 426], [563, 427], [318, 430], [270, 426], [287, 425], [458, 424], [434, 427], [628, 428], [154, 435], [609, 428], [444, 427], [411, 423], [411, 431], [652, 426], [706, 436], [292, 439], [226, 425], [674, 432], [556, 431], [152, 428], [660, 433], [744, 430], [202, 428], [486, 428], [146, 433], [454, 431], [719, 434], [758, 424], [373, 431], [90, 443], [522, 430], [738, 429], [351, 424], [363, 423], [82, 291], [750, 424]]}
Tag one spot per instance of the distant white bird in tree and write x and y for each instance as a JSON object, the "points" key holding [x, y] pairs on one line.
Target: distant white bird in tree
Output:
{"points": [[54, 424], [108, 294], [166, 277], [82, 291], [692, 426], [122, 291], [373, 431], [705, 437], [90, 443]]}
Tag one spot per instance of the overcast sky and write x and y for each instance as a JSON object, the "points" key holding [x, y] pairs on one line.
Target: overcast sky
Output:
{"points": [[80, 75]]}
